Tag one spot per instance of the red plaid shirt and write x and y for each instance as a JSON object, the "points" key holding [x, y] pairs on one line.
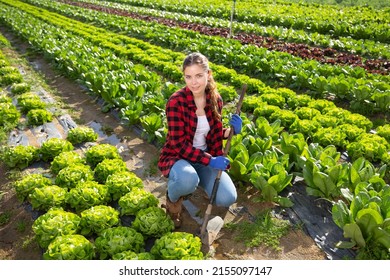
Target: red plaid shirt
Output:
{"points": [[182, 121]]}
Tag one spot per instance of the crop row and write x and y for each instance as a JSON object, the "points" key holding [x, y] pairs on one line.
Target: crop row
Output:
{"points": [[287, 94], [356, 22], [207, 27], [366, 92], [270, 96], [290, 151], [367, 48], [288, 117], [88, 204]]}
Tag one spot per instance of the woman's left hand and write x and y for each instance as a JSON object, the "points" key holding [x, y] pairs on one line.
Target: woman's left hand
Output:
{"points": [[236, 123]]}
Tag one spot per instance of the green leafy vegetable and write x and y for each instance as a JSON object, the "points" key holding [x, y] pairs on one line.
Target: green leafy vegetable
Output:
{"points": [[70, 176], [299, 100], [98, 153], [65, 159], [38, 117], [87, 194], [5, 99], [28, 101], [153, 221], [135, 200], [11, 78], [108, 167], [265, 110], [370, 146], [81, 134], [306, 127], [118, 239], [53, 223], [19, 88], [178, 246], [9, 114], [384, 131], [152, 125], [321, 104], [121, 183], [326, 121], [47, 196], [52, 147], [351, 131], [130, 255], [98, 218], [306, 113], [70, 247], [273, 99], [330, 136], [286, 117], [360, 121], [20, 156], [25, 186]]}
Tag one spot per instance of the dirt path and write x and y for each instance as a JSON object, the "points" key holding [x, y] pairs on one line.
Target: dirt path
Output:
{"points": [[141, 158]]}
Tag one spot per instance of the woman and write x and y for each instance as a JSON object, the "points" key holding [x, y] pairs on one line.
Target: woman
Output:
{"points": [[193, 151]]}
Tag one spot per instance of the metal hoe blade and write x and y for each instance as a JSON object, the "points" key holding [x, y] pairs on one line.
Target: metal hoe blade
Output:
{"points": [[214, 225]]}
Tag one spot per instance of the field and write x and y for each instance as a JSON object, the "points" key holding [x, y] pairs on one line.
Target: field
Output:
{"points": [[311, 161]]}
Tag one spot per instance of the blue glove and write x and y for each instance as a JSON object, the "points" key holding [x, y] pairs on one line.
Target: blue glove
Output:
{"points": [[219, 162], [236, 122]]}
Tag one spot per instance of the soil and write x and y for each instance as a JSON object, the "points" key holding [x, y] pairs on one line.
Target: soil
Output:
{"points": [[16, 237]]}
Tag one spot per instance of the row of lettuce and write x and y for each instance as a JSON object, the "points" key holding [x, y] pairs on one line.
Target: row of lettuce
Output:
{"points": [[267, 155], [84, 200], [366, 93], [364, 47], [135, 91], [356, 22], [88, 201]]}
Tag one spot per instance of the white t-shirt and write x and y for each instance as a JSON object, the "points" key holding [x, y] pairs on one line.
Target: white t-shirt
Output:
{"points": [[202, 129]]}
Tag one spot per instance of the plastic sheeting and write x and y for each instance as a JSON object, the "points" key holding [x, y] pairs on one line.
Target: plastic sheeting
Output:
{"points": [[316, 216], [18, 137]]}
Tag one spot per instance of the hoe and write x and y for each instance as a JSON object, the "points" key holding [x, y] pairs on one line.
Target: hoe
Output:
{"points": [[211, 227]]}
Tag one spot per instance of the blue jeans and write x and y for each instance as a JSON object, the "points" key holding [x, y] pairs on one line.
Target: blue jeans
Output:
{"points": [[185, 177]]}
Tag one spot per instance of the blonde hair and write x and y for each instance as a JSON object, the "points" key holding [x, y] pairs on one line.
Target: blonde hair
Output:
{"points": [[211, 87]]}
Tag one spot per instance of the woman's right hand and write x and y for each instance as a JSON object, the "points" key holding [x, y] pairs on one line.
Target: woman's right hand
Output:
{"points": [[219, 162]]}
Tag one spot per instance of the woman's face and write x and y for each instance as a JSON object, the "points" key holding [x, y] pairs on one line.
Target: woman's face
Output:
{"points": [[196, 78]]}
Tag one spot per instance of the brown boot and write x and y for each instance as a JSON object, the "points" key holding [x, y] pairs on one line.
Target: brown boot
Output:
{"points": [[174, 209]]}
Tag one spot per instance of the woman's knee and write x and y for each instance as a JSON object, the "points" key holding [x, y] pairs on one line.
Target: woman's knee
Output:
{"points": [[183, 178], [226, 198], [227, 193], [187, 183]]}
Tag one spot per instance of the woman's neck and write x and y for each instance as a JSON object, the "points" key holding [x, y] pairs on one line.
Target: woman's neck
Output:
{"points": [[200, 102], [199, 95]]}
